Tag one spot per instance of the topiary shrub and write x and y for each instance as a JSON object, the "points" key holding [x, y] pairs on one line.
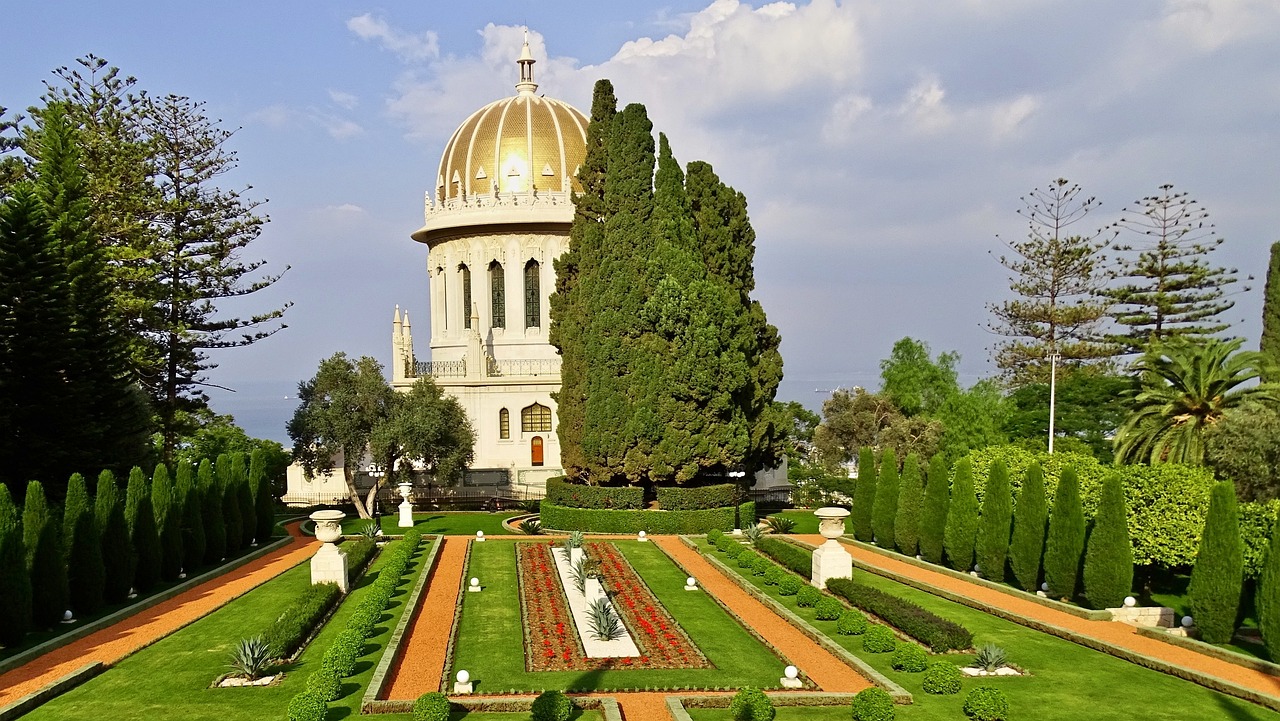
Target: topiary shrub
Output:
{"points": [[936, 632], [906, 527], [761, 566], [432, 706], [933, 511], [996, 523], [733, 549], [1108, 558], [747, 559], [773, 575], [1217, 577], [750, 704], [307, 706], [879, 639], [789, 555], [873, 704], [345, 652], [864, 495], [884, 509], [828, 609], [961, 531], [714, 535], [985, 703], [807, 596], [788, 585], [325, 682], [942, 678], [910, 658], [1026, 546], [1065, 543], [851, 623], [552, 706]]}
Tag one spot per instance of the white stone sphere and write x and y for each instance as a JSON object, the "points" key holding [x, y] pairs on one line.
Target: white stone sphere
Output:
{"points": [[1130, 602], [641, 534], [790, 672], [67, 615], [479, 534], [977, 568], [475, 582], [690, 581], [1188, 622], [1044, 586], [463, 676]]}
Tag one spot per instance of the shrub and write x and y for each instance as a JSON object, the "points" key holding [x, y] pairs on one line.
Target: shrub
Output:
{"points": [[851, 623], [884, 510], [873, 704], [780, 524], [531, 527], [985, 703], [1066, 537], [788, 585], [864, 495], [113, 532], [631, 521], [168, 517], [733, 549], [807, 596], [187, 496], [937, 633], [789, 555], [552, 706], [297, 620], [1217, 577], [1267, 600], [1108, 562], [879, 639], [244, 498], [230, 496], [828, 609], [962, 518], [1027, 544], [250, 657], [751, 704], [761, 565], [325, 683], [714, 535], [992, 547], [990, 657], [774, 574], [345, 652], [697, 498], [942, 678], [264, 510], [431, 706], [359, 552], [215, 529], [307, 706], [15, 584], [910, 658], [746, 514], [561, 492], [85, 574], [747, 559], [141, 518], [603, 623], [906, 527], [42, 539], [933, 514]]}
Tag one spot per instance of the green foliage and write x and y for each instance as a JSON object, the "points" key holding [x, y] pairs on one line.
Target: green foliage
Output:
{"points": [[932, 630], [808, 596], [307, 706], [733, 549], [344, 652], [990, 657], [697, 498], [916, 384], [1026, 547], [143, 534], [851, 623], [761, 566], [751, 704], [1270, 343], [85, 573], [168, 517], [1108, 562], [910, 658], [1256, 523], [858, 419], [793, 557], [942, 678], [985, 703], [325, 683], [992, 546], [263, 498], [228, 486], [43, 540], [113, 532], [531, 527], [295, 623], [774, 574], [933, 518], [250, 657], [885, 509], [747, 515], [747, 559], [359, 553], [1066, 538], [552, 706], [654, 522], [1089, 405], [789, 585], [215, 529], [780, 524], [1244, 448], [15, 582], [973, 418], [244, 498], [714, 535], [906, 526], [1267, 600], [879, 639], [873, 704], [828, 609], [864, 496], [961, 531], [431, 706], [187, 499], [1218, 575]]}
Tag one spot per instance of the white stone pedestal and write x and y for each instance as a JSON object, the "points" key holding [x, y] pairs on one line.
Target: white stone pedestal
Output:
{"points": [[1155, 616], [329, 565], [460, 688], [830, 560], [406, 515], [791, 682]]}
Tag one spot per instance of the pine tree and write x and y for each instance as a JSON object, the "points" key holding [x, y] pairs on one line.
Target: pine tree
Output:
{"points": [[15, 582], [244, 497], [187, 495], [1270, 345], [906, 527], [1027, 545], [1066, 537], [118, 559], [143, 534], [168, 517], [885, 509], [42, 537], [260, 488], [933, 520], [962, 518], [86, 576], [225, 477], [1267, 601], [864, 495], [994, 526], [215, 529], [1108, 562], [1218, 575]]}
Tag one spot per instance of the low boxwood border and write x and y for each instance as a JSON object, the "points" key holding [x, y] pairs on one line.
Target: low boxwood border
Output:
{"points": [[607, 705], [596, 520], [678, 706], [392, 651], [1208, 649]]}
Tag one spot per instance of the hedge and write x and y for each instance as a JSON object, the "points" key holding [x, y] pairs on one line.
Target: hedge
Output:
{"points": [[697, 498], [746, 514], [358, 553], [297, 620], [789, 555], [930, 629], [577, 495], [562, 518]]}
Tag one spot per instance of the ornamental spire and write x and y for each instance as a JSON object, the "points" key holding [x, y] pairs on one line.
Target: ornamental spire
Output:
{"points": [[526, 86]]}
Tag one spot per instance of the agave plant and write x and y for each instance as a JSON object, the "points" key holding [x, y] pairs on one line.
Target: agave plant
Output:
{"points": [[603, 623], [779, 524], [369, 529], [990, 657], [531, 527], [752, 534], [578, 574], [575, 539], [250, 657]]}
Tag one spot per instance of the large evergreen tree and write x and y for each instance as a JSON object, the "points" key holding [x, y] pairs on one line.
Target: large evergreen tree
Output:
{"points": [[209, 491], [906, 527], [1217, 577], [228, 491], [962, 518], [1267, 600], [263, 500], [1270, 344], [187, 496], [46, 562], [864, 496], [884, 510], [933, 519], [1108, 561], [244, 497], [168, 515], [15, 582], [118, 558], [1066, 537], [992, 546], [143, 534], [86, 576], [1026, 547]]}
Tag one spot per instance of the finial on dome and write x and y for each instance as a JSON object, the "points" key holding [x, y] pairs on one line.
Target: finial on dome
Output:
{"points": [[526, 86]]}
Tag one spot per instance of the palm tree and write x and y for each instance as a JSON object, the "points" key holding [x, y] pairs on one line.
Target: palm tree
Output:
{"points": [[1186, 385]]}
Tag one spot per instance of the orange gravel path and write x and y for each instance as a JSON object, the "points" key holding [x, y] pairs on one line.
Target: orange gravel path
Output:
{"points": [[1113, 632], [421, 664], [113, 643]]}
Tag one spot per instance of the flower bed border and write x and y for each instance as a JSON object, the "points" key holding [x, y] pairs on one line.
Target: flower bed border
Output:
{"points": [[573, 641]]}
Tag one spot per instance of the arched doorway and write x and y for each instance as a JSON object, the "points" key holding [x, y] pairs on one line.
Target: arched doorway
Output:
{"points": [[535, 450]]}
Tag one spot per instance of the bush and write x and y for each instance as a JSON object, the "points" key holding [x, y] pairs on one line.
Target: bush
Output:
{"points": [[747, 559], [85, 574], [168, 516], [431, 706], [1108, 562], [345, 652], [1026, 547], [359, 552], [789, 555], [630, 521], [561, 492], [698, 498], [780, 524], [961, 531], [873, 704], [746, 514], [531, 527], [933, 513], [828, 609], [15, 583], [250, 657], [986, 704], [552, 706], [264, 510], [325, 683], [910, 658], [714, 535], [42, 539], [879, 639], [297, 620], [187, 497], [1267, 601], [906, 527], [307, 706], [733, 549], [990, 657], [807, 596], [937, 633], [141, 518], [851, 623], [942, 678], [884, 510], [1066, 538], [215, 529], [761, 565], [1217, 577], [789, 585], [230, 496], [774, 574], [864, 495], [995, 525], [750, 704]]}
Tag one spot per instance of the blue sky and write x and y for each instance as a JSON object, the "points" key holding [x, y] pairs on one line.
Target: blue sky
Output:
{"points": [[882, 145]]}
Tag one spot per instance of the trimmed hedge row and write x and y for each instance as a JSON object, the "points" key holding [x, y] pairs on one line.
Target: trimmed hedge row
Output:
{"points": [[599, 520], [746, 514], [789, 555], [930, 629], [359, 552], [700, 498], [578, 495]]}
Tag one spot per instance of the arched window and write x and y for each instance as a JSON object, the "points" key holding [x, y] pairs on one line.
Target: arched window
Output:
{"points": [[504, 424], [532, 299], [535, 419], [465, 272], [498, 292]]}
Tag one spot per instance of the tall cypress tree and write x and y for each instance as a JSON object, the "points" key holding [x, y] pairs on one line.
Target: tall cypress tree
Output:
{"points": [[118, 559], [215, 529], [1267, 600], [1027, 545], [864, 495], [234, 525], [994, 525], [244, 497], [187, 496], [933, 519], [1218, 575], [1066, 537], [906, 527], [15, 583], [1108, 560], [260, 489], [962, 518], [86, 576], [45, 560], [885, 509], [1270, 345], [143, 534], [168, 517]]}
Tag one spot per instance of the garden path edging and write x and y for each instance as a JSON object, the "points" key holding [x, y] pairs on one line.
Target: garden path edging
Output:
{"points": [[50, 690], [392, 650]]}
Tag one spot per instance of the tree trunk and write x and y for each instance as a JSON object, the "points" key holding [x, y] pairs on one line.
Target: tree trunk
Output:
{"points": [[350, 477]]}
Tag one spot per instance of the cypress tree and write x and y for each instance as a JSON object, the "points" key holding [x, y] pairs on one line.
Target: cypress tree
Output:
{"points": [[1027, 546], [86, 576], [45, 561], [168, 517], [234, 525], [1108, 560], [885, 509], [994, 526], [1270, 344], [962, 518], [248, 511], [260, 488], [143, 535], [187, 496], [1218, 575], [864, 495], [933, 520], [215, 530], [118, 560], [1267, 601], [1066, 537], [15, 582], [906, 527]]}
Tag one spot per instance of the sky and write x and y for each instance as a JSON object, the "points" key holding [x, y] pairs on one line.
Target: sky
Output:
{"points": [[883, 145]]}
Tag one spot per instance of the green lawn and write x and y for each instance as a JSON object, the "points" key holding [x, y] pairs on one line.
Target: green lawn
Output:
{"points": [[1068, 681], [490, 640], [786, 713], [806, 522], [448, 523]]}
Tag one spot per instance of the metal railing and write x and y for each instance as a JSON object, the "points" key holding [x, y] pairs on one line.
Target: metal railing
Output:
{"points": [[523, 368], [440, 369]]}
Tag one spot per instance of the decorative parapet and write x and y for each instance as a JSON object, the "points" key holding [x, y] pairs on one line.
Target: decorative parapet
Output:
{"points": [[516, 368], [489, 201], [439, 369]]}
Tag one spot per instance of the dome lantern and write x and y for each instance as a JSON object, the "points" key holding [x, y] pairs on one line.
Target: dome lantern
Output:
{"points": [[526, 86]]}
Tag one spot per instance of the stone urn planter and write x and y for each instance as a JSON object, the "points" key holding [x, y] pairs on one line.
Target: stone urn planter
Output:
{"points": [[406, 508], [329, 565], [830, 560]]}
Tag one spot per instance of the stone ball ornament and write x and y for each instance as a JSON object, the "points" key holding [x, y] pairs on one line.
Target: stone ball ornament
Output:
{"points": [[475, 582], [691, 581], [1130, 602], [642, 535], [791, 672], [1044, 586], [1188, 622], [463, 676]]}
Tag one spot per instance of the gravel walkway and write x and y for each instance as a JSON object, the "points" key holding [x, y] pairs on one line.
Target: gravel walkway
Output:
{"points": [[146, 627], [421, 662]]}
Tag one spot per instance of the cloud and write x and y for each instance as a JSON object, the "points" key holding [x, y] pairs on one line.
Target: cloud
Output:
{"points": [[337, 127], [346, 101], [273, 116], [1211, 24], [409, 46]]}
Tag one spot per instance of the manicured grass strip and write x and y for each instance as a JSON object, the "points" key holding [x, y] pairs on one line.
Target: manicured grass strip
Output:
{"points": [[1208, 649]]}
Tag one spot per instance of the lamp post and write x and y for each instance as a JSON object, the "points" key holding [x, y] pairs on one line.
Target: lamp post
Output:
{"points": [[1053, 393], [376, 472]]}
